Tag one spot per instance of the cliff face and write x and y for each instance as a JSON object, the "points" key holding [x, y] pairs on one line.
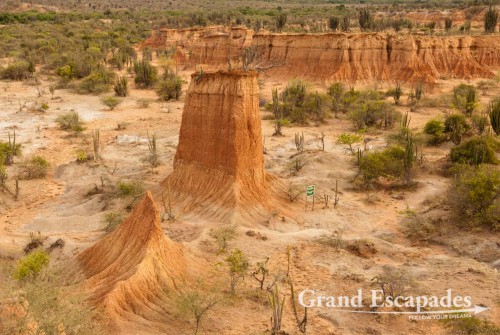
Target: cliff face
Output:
{"points": [[130, 270], [219, 164], [337, 56]]}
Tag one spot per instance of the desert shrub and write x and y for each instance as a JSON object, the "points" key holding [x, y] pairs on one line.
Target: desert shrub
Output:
{"points": [[33, 168], [435, 129], [297, 105], [121, 87], [493, 112], [143, 103], [196, 302], [349, 140], [345, 24], [367, 109], [475, 195], [3, 175], [395, 282], [9, 150], [17, 71], [146, 74], [365, 19], [110, 102], [223, 236], [416, 227], [465, 98], [31, 265], [335, 91], [470, 326], [480, 123], [112, 220], [96, 83], [169, 87], [238, 265], [456, 126], [475, 151], [485, 86], [70, 121], [81, 156], [395, 93], [387, 163], [134, 188]]}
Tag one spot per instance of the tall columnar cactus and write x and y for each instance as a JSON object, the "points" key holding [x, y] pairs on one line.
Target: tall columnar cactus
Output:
{"points": [[490, 20], [277, 305], [494, 114]]}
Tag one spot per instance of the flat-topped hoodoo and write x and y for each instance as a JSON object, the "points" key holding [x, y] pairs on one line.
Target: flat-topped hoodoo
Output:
{"points": [[219, 163]]}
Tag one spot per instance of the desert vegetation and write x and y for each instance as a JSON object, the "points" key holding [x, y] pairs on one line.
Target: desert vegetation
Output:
{"points": [[328, 145]]}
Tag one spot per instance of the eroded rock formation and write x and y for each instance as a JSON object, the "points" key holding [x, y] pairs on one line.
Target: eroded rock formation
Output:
{"points": [[219, 164], [132, 270], [337, 56]]}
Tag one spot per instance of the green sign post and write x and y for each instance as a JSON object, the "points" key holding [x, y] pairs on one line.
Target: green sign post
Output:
{"points": [[310, 192]]}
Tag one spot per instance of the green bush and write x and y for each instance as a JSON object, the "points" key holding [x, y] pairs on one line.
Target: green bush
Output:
{"points": [[368, 109], [134, 188], [297, 105], [387, 163], [17, 71], [475, 151], [33, 168], [456, 126], [435, 129], [465, 98], [31, 265], [146, 74], [110, 102], [96, 83], [8, 151], [475, 195], [121, 87], [70, 121], [169, 87], [3, 175]]}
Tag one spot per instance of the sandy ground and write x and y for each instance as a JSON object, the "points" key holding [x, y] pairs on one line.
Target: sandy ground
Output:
{"points": [[60, 206]]}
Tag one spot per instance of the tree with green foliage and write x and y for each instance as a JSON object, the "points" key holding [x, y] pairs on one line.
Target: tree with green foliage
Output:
{"points": [[238, 265], [349, 140]]}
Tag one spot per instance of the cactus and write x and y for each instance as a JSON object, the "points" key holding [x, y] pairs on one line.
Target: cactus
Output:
{"points": [[301, 323], [299, 142], [494, 114], [490, 20], [121, 87], [95, 141], [277, 306]]}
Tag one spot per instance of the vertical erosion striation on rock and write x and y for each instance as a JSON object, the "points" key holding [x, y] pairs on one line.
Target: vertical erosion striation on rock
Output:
{"points": [[130, 271], [339, 56], [219, 163]]}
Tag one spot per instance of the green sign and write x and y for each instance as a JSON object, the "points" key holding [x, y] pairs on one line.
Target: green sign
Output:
{"points": [[310, 190]]}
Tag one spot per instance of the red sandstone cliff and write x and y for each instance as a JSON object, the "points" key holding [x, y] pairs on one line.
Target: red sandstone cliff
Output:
{"points": [[337, 56], [219, 164]]}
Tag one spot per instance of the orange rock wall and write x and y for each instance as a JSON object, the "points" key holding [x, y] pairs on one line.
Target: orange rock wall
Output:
{"points": [[337, 56]]}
